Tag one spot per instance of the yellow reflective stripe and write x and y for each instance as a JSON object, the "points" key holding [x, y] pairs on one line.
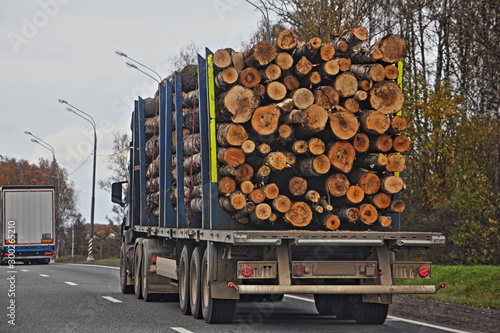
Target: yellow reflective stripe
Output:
{"points": [[399, 81], [212, 124]]}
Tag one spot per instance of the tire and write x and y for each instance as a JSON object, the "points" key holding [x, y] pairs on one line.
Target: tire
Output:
{"points": [[146, 295], [195, 282], [215, 311], [369, 313], [337, 305], [183, 274], [126, 289], [137, 273]]}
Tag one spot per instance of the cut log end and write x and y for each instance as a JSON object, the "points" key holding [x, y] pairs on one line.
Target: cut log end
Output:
{"points": [[299, 215], [368, 214], [331, 222], [337, 185]]}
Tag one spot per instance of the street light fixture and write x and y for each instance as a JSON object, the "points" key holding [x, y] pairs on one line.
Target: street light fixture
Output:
{"points": [[87, 117], [137, 68], [121, 54], [266, 18], [47, 146]]}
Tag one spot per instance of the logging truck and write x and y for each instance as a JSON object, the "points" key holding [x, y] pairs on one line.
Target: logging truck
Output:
{"points": [[268, 172]]}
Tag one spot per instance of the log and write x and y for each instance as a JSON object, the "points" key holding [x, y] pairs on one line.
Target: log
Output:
{"points": [[265, 119], [337, 185], [303, 67], [290, 81], [285, 133], [260, 54], [361, 142], [386, 97], [282, 204], [226, 78], [308, 49], [326, 206], [229, 134], [244, 172], [300, 147], [344, 125], [264, 149], [222, 58], [191, 144], [316, 146], [366, 55], [189, 75], [398, 124], [246, 187], [346, 84], [317, 208], [240, 102], [351, 105], [354, 36], [396, 163], [323, 54], [153, 169], [368, 214], [299, 215], [380, 200], [297, 186], [314, 166], [290, 158], [248, 147], [250, 77], [227, 170], [381, 143], [271, 72], [368, 181], [153, 185], [372, 161], [286, 105], [365, 85], [259, 90], [360, 95], [312, 196], [401, 143], [330, 221], [374, 122], [190, 99], [329, 69], [284, 60], [286, 40], [231, 156], [344, 64], [374, 72], [233, 202], [152, 147], [195, 205], [193, 192], [391, 72], [341, 155], [226, 185], [271, 190], [241, 217], [152, 125], [295, 116], [276, 90], [151, 107], [354, 195], [340, 45], [193, 180], [384, 221], [326, 96], [262, 174], [302, 98], [397, 206], [192, 164], [311, 79], [393, 48], [392, 184], [347, 214], [262, 212], [238, 60], [275, 160], [257, 196], [190, 120], [316, 119]]}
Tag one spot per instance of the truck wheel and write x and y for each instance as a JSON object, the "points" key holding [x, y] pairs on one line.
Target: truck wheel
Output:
{"points": [[126, 289], [195, 282], [369, 313], [215, 311], [146, 295], [337, 305], [137, 273], [184, 263]]}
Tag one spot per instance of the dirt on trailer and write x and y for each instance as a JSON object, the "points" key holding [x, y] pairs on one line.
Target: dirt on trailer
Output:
{"points": [[452, 314]]}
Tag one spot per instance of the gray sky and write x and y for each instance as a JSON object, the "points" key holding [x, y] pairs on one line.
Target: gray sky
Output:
{"points": [[51, 49]]}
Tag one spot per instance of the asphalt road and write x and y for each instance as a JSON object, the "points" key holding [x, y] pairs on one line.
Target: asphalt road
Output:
{"points": [[80, 298]]}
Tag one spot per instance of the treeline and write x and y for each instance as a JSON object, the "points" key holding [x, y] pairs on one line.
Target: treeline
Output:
{"points": [[452, 102]]}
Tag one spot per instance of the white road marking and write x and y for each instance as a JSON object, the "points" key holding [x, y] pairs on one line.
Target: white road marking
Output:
{"points": [[102, 266], [71, 283], [24, 270], [111, 299], [181, 330], [43, 275], [448, 329]]}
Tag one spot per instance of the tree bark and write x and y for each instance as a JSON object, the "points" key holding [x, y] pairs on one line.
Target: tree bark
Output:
{"points": [[233, 202], [191, 144], [229, 134], [374, 72], [299, 215], [372, 161], [307, 49], [344, 125], [226, 78], [347, 214], [190, 99], [326, 206], [314, 166], [286, 105], [227, 170], [366, 55], [262, 174], [152, 125], [341, 155]]}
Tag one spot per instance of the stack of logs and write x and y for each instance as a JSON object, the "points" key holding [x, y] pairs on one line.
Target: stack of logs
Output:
{"points": [[306, 132]]}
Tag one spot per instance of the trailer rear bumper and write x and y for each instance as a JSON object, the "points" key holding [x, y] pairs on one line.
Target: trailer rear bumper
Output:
{"points": [[335, 289]]}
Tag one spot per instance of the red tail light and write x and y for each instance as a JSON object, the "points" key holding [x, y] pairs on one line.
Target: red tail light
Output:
{"points": [[153, 258], [298, 270], [48, 253], [246, 270], [424, 271]]}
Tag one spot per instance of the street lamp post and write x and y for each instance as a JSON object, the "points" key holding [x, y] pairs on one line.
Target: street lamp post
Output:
{"points": [[91, 120], [121, 54], [266, 17]]}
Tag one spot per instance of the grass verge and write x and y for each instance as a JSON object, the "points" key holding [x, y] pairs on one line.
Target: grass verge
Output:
{"points": [[472, 285]]}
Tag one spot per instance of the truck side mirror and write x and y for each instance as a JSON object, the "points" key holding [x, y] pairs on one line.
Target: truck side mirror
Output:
{"points": [[117, 193]]}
